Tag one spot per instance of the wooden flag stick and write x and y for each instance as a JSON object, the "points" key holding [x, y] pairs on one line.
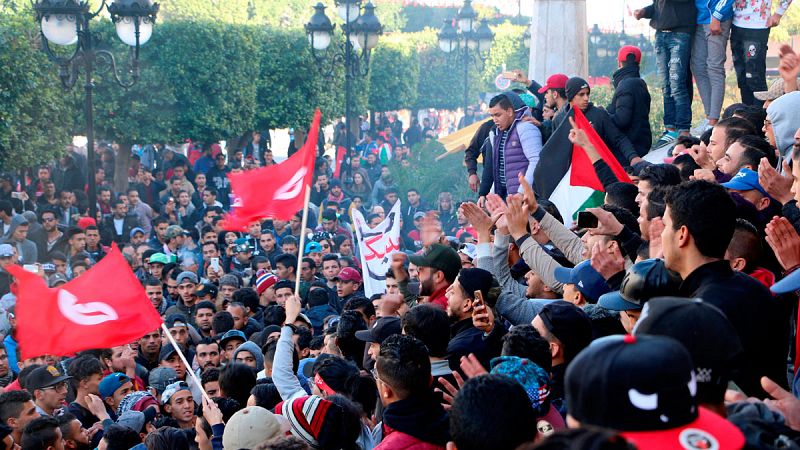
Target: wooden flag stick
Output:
{"points": [[302, 244], [185, 362]]}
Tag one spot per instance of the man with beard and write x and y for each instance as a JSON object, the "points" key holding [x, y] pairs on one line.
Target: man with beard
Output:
{"points": [[206, 355], [76, 437], [438, 267], [203, 316]]}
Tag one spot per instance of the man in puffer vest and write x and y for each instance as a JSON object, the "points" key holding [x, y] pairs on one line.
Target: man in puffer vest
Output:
{"points": [[515, 144]]}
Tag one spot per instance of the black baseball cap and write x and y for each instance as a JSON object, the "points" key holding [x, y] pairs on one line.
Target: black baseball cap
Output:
{"points": [[45, 377], [380, 330], [645, 387], [570, 324], [643, 281], [704, 331], [176, 320], [439, 257], [204, 289], [167, 351]]}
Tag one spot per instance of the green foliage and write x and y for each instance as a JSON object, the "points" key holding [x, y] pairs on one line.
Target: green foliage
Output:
{"points": [[419, 18], [790, 25], [34, 115], [290, 86], [431, 176], [147, 111], [394, 75], [391, 15], [507, 50]]}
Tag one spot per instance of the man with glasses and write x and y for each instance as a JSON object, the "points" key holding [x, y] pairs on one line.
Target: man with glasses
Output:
{"points": [[49, 237], [49, 389]]}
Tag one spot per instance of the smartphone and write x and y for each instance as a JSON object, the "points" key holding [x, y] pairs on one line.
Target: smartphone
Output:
{"points": [[478, 300], [510, 75], [31, 268], [587, 220], [215, 265], [17, 195]]}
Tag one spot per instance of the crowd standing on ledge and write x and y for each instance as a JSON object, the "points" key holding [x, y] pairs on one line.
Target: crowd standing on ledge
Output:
{"points": [[664, 317]]}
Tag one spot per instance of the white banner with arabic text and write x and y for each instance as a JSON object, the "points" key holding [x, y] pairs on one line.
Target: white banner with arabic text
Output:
{"points": [[376, 246]]}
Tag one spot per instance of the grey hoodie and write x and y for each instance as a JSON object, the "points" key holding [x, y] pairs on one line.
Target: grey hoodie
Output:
{"points": [[785, 121], [27, 251], [251, 347]]}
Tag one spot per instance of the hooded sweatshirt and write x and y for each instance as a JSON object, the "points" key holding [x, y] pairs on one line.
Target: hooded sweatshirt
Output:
{"points": [[251, 347], [785, 121], [26, 249]]}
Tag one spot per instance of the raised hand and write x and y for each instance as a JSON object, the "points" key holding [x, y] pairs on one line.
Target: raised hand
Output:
{"points": [[607, 224], [478, 219], [528, 195], [656, 248], [777, 186], [785, 242], [605, 263], [517, 216]]}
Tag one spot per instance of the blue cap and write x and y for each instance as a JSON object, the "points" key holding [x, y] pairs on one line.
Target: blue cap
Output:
{"points": [[745, 180], [137, 230], [590, 283], [313, 247], [232, 334], [790, 283], [111, 383]]}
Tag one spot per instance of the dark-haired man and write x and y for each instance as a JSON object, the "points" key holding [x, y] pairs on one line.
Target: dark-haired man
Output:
{"points": [[699, 223], [117, 227], [412, 415], [43, 434], [17, 411], [491, 402], [87, 372], [515, 146]]}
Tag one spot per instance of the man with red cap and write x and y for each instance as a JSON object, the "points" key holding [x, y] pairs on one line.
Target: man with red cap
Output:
{"points": [[630, 106], [555, 97]]}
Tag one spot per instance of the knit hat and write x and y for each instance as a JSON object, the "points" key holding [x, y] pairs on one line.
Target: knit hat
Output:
{"points": [[249, 427], [574, 85], [229, 280], [317, 421], [533, 378], [264, 281], [475, 280]]}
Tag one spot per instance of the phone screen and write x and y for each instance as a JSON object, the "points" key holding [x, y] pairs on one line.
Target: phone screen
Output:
{"points": [[587, 220]]}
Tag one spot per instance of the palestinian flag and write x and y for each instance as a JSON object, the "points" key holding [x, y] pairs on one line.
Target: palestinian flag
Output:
{"points": [[580, 188]]}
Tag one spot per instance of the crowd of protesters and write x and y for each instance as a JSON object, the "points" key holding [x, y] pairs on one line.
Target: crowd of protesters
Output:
{"points": [[666, 320]]}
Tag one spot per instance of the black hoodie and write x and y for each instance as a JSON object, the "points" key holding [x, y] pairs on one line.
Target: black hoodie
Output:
{"points": [[421, 417]]}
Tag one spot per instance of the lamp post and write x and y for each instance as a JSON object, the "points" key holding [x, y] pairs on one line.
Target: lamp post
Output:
{"points": [[466, 40], [361, 32], [67, 23]]}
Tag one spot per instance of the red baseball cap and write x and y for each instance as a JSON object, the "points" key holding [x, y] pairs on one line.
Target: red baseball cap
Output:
{"points": [[629, 49], [348, 274], [556, 81]]}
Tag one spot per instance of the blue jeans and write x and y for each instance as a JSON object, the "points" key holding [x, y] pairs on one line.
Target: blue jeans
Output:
{"points": [[673, 51]]}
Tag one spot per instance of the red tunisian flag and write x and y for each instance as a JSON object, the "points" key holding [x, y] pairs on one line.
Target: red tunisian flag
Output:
{"points": [[276, 191], [583, 173], [104, 307]]}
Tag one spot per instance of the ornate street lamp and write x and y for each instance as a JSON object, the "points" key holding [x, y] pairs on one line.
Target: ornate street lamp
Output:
{"points": [[67, 23], [467, 41], [362, 31]]}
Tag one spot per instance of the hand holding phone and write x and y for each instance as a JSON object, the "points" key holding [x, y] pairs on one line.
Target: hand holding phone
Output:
{"points": [[214, 265], [482, 316], [587, 220]]}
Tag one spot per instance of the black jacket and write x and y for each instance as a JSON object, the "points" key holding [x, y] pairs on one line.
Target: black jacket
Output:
{"points": [[475, 148], [630, 108], [109, 234], [761, 320], [672, 15], [466, 339], [556, 155]]}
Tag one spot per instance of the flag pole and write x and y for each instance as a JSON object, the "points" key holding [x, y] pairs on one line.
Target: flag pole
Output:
{"points": [[185, 362], [302, 245]]}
